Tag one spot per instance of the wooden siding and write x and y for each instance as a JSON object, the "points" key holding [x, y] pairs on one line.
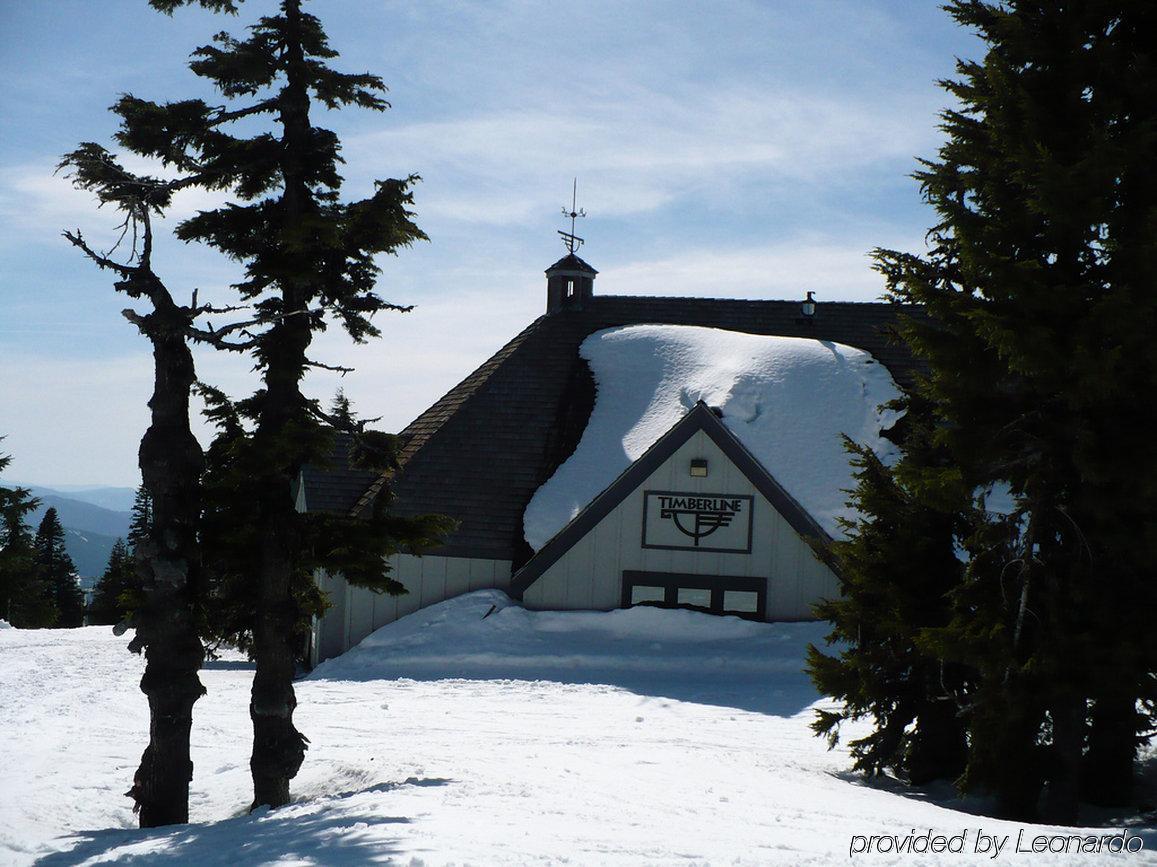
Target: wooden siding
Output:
{"points": [[355, 612], [589, 575]]}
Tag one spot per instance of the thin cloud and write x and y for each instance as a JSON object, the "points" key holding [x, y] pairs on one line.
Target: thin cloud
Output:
{"points": [[493, 170], [835, 271]]}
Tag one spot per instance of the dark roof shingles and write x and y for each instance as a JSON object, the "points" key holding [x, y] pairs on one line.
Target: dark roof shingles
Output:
{"points": [[335, 486], [480, 452]]}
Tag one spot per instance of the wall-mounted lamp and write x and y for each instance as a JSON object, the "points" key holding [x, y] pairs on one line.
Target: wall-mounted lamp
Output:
{"points": [[698, 468], [808, 307]]}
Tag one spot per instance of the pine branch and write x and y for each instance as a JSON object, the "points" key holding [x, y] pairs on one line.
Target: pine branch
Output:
{"points": [[141, 322], [210, 308], [224, 116], [336, 368], [335, 421], [146, 240], [214, 339], [242, 327], [77, 240]]}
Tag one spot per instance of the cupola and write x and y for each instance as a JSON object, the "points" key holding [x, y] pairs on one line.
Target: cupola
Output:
{"points": [[570, 281], [569, 284]]}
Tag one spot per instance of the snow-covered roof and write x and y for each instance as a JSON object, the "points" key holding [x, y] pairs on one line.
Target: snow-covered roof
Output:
{"points": [[787, 399], [481, 451]]}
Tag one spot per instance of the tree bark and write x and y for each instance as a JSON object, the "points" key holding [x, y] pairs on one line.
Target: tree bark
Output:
{"points": [[1061, 803], [939, 749], [1018, 786], [1107, 776], [278, 747], [168, 563]]}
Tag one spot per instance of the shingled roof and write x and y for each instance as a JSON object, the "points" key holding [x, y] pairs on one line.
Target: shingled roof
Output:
{"points": [[481, 451], [335, 486]]}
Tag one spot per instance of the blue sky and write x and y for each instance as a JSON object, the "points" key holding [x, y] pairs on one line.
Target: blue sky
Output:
{"points": [[726, 148]]}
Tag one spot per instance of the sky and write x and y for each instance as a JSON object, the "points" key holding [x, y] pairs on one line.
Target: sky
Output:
{"points": [[731, 148]]}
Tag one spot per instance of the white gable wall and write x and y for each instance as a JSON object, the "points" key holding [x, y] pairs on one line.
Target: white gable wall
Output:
{"points": [[590, 574]]}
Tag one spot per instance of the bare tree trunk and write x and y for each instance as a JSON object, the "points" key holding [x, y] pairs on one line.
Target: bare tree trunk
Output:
{"points": [[168, 563]]}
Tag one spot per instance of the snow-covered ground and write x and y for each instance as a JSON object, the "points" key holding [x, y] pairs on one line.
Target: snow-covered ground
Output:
{"points": [[787, 399], [451, 737]]}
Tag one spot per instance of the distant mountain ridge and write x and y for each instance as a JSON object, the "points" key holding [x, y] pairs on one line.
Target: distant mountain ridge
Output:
{"points": [[90, 529], [116, 499]]}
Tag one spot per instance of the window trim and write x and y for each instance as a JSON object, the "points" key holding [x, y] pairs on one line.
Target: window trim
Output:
{"points": [[717, 584]]}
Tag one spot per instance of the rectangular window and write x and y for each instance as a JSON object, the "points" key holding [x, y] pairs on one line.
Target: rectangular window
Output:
{"points": [[719, 594], [643, 593], [740, 601], [698, 596]]}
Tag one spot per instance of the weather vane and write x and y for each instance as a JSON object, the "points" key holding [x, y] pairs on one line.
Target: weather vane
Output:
{"points": [[572, 241]]}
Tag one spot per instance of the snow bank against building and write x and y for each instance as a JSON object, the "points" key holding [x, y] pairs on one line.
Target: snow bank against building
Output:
{"points": [[787, 399], [687, 655]]}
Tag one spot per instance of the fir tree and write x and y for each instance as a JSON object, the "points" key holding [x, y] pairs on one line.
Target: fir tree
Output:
{"points": [[117, 592], [55, 568], [25, 599], [1038, 290], [895, 570], [140, 519], [308, 257]]}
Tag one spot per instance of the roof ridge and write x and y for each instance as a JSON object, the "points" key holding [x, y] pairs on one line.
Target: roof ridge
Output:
{"points": [[715, 300]]}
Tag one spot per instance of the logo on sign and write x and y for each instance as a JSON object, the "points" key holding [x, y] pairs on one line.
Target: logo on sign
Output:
{"points": [[698, 517], [707, 522]]}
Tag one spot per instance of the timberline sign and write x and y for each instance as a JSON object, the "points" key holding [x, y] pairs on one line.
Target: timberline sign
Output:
{"points": [[677, 520]]}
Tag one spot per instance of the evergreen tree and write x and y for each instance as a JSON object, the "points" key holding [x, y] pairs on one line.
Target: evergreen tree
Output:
{"points": [[57, 571], [1038, 289], [141, 518], [117, 591], [308, 257], [25, 599], [895, 570]]}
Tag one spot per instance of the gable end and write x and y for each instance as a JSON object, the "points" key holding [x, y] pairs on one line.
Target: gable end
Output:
{"points": [[700, 418]]}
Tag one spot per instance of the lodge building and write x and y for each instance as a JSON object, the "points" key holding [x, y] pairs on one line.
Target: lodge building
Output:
{"points": [[695, 520]]}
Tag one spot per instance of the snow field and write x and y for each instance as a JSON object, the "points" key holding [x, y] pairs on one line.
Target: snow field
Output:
{"points": [[471, 732]]}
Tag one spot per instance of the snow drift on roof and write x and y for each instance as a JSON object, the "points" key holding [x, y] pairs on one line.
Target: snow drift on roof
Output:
{"points": [[787, 399]]}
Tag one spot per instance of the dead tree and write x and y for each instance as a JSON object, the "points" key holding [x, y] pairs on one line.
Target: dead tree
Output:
{"points": [[168, 561]]}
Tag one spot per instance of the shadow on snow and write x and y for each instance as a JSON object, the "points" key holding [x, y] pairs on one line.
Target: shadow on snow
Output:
{"points": [[782, 693], [328, 830], [1140, 822]]}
